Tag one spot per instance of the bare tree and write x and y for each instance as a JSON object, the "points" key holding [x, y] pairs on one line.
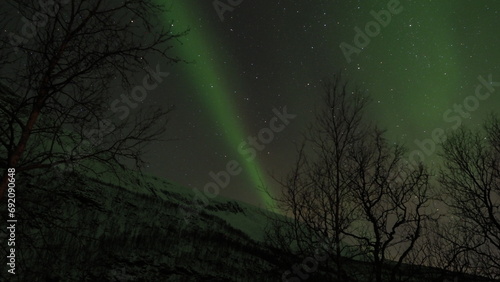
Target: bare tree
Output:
{"points": [[352, 191], [449, 249], [393, 198], [316, 193], [471, 178], [61, 60]]}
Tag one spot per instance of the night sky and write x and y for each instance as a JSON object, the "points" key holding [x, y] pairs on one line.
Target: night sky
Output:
{"points": [[419, 69]]}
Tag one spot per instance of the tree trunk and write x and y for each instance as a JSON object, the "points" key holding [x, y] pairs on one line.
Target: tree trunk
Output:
{"points": [[13, 159]]}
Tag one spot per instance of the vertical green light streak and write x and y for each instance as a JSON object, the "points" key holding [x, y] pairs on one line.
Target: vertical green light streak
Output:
{"points": [[212, 86]]}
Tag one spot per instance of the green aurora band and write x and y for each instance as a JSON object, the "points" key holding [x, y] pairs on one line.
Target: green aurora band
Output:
{"points": [[216, 97]]}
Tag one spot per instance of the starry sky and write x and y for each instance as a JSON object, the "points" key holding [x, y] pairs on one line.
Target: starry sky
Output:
{"points": [[421, 68]]}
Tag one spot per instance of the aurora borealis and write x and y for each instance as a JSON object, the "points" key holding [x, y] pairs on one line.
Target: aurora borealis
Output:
{"points": [[267, 55], [216, 96]]}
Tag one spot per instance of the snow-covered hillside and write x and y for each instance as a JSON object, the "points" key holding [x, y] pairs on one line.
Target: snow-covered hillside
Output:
{"points": [[102, 227]]}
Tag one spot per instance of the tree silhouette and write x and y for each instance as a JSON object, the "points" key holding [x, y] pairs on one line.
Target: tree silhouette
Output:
{"points": [[393, 200], [352, 191], [61, 61], [471, 178]]}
